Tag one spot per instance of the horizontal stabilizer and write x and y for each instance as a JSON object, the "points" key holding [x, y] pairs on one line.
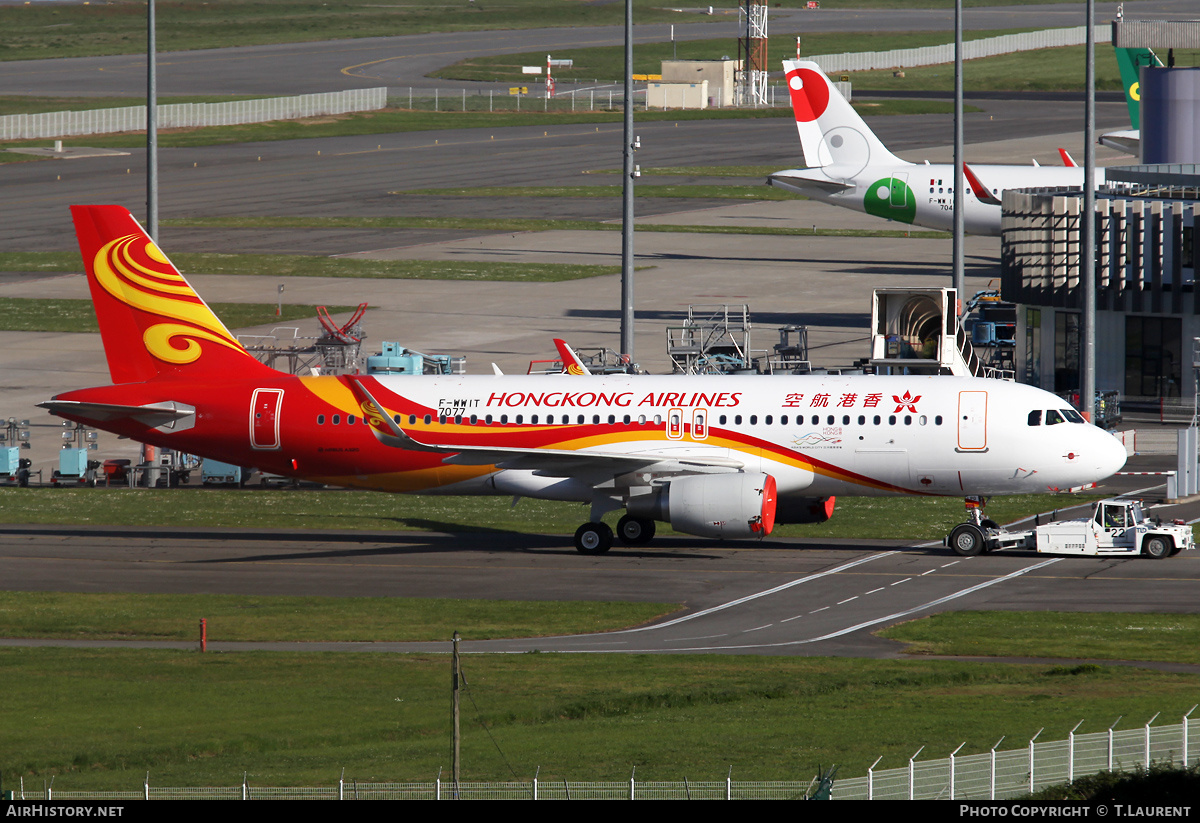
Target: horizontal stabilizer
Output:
{"points": [[167, 415], [800, 179]]}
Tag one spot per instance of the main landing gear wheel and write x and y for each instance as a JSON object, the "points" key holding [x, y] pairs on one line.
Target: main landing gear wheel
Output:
{"points": [[593, 538], [635, 532], [967, 540], [1157, 548]]}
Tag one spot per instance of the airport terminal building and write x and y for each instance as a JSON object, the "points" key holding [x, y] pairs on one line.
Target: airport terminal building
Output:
{"points": [[1147, 304]]}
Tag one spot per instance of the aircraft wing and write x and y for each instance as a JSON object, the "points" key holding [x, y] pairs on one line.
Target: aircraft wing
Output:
{"points": [[799, 179], [552, 462], [1129, 141]]}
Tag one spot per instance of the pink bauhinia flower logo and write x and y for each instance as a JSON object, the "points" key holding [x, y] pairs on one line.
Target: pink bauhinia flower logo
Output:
{"points": [[907, 401]]}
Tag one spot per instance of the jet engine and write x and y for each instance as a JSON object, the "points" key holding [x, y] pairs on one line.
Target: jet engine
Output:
{"points": [[712, 505]]}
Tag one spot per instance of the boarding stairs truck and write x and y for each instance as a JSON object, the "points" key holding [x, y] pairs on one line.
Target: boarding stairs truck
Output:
{"points": [[1119, 527]]}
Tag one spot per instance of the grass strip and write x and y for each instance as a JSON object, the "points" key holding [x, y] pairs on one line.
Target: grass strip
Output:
{"points": [[55, 30], [1173, 638], [520, 224], [65, 315], [102, 719], [284, 265], [900, 519], [657, 190], [276, 619]]}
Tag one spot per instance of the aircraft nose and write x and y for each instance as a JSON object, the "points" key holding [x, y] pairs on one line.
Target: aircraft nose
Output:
{"points": [[1110, 453]]}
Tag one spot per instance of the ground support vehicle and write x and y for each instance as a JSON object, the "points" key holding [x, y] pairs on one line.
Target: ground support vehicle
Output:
{"points": [[1118, 527]]}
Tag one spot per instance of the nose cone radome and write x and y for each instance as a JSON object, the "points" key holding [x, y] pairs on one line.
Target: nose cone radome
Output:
{"points": [[1110, 453]]}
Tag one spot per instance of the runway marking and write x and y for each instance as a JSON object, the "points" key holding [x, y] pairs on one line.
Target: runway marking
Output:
{"points": [[767, 592], [767, 626], [898, 582], [847, 600], [947, 565], [823, 608], [872, 591], [931, 571], [887, 619], [790, 619]]}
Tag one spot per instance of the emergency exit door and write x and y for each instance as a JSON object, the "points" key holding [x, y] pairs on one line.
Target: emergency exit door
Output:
{"points": [[264, 419]]}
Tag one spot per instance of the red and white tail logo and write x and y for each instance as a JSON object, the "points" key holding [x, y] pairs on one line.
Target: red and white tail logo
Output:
{"points": [[831, 131]]}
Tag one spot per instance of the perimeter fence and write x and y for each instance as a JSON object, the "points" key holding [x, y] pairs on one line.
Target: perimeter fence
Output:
{"points": [[992, 775], [189, 115], [972, 50]]}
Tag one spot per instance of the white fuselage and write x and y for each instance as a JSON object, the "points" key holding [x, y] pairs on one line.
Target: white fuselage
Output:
{"points": [[923, 194], [818, 436]]}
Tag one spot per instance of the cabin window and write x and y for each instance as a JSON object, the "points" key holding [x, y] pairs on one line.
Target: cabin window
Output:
{"points": [[625, 420], [816, 420], [908, 419], [722, 419], [845, 420], [337, 418], [458, 419], [474, 419], [520, 419], [862, 420], [922, 420], [877, 420], [320, 420], [737, 420], [783, 420], [442, 419], [595, 419], [754, 420], [487, 419], [504, 420], [937, 421], [892, 420], [350, 420], [641, 419]]}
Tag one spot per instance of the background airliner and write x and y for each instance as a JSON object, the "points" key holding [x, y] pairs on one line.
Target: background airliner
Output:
{"points": [[1130, 61], [849, 166], [712, 455]]}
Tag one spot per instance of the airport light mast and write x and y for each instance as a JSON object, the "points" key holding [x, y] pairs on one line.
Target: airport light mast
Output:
{"points": [[627, 196]]}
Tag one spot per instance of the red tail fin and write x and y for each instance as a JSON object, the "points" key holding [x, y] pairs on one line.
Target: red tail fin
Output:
{"points": [[151, 320]]}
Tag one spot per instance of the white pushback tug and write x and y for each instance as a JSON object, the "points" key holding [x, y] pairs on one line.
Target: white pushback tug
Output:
{"points": [[1118, 527]]}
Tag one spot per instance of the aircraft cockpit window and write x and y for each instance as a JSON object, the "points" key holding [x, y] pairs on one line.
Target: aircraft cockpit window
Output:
{"points": [[1035, 417], [1053, 417], [1073, 416]]}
